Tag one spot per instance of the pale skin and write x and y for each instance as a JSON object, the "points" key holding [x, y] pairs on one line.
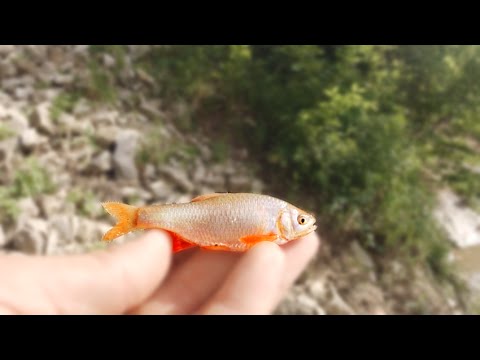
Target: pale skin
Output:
{"points": [[144, 277]]}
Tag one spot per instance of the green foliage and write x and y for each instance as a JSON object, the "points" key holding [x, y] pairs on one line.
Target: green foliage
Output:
{"points": [[85, 202], [31, 180], [8, 204], [5, 132], [63, 103], [358, 129]]}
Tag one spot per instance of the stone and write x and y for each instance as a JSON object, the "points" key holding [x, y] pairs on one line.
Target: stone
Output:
{"points": [[124, 154], [109, 60], [6, 49], [362, 256], [30, 139], [28, 208], [31, 237], [239, 183], [102, 162], [3, 238], [178, 176], [149, 172], [41, 118], [106, 135], [14, 120], [161, 189], [50, 205]]}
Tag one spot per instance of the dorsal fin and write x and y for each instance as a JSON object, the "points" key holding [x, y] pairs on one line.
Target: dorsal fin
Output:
{"points": [[206, 196]]}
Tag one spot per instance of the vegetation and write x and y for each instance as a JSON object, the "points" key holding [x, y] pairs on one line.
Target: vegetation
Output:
{"points": [[357, 129]]}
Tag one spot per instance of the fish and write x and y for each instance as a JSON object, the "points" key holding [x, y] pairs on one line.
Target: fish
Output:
{"points": [[217, 221]]}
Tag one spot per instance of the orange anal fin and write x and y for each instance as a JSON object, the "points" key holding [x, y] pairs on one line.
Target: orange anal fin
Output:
{"points": [[206, 196], [255, 239], [179, 243]]}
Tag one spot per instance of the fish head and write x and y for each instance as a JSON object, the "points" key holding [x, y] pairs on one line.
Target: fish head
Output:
{"points": [[294, 223]]}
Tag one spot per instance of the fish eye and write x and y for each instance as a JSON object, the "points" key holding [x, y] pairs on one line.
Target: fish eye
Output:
{"points": [[301, 219]]}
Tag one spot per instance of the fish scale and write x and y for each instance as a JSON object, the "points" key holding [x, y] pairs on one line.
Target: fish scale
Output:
{"points": [[232, 221]]}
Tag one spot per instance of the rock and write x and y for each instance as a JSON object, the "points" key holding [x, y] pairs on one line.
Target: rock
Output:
{"points": [[297, 302], [6, 49], [31, 237], [124, 154], [239, 183], [145, 77], [104, 117], [461, 223], [362, 256], [50, 205], [67, 227], [3, 238], [81, 107], [335, 304], [133, 194], [214, 180], [30, 139], [102, 162], [149, 173], [106, 135], [109, 60], [41, 118], [28, 208], [71, 125], [13, 120], [7, 151], [161, 189], [178, 176], [7, 69], [23, 93], [91, 231]]}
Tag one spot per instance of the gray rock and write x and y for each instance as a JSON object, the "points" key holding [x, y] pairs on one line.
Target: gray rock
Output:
{"points": [[28, 208], [41, 118], [239, 183], [13, 119], [178, 176], [23, 93], [106, 135], [6, 49], [102, 162], [135, 193], [30, 139], [3, 238], [124, 155], [31, 236], [67, 227], [109, 60], [7, 69], [149, 173], [50, 205], [362, 256], [161, 189]]}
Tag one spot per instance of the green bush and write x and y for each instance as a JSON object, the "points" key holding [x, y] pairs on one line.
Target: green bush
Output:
{"points": [[358, 129]]}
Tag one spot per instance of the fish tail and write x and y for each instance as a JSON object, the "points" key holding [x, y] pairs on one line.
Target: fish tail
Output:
{"points": [[126, 216]]}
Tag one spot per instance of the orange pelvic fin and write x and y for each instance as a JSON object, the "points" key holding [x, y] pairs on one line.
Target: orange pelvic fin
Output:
{"points": [[254, 239], [126, 216], [206, 196], [179, 243]]}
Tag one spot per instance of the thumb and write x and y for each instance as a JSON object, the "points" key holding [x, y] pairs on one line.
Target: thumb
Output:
{"points": [[111, 281]]}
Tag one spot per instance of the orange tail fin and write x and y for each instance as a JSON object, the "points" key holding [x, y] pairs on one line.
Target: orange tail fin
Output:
{"points": [[126, 216]]}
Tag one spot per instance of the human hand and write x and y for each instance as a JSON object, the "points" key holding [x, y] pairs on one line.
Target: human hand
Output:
{"points": [[142, 277]]}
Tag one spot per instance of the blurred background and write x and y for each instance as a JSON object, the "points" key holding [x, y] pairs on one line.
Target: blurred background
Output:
{"points": [[382, 143]]}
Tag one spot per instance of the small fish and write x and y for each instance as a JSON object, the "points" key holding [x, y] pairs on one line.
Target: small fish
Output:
{"points": [[219, 221]]}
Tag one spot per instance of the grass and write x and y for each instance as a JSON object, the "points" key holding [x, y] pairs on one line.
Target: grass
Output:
{"points": [[31, 179], [5, 132], [84, 200], [63, 103]]}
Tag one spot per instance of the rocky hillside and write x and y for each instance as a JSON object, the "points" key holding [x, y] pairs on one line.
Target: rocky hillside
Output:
{"points": [[62, 152]]}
